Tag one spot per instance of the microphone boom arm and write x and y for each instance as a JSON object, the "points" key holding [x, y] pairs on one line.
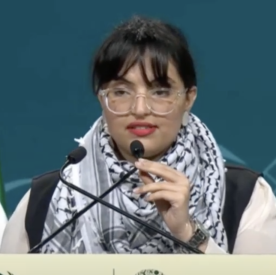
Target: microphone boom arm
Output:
{"points": [[81, 212], [76, 156], [114, 208], [131, 217]]}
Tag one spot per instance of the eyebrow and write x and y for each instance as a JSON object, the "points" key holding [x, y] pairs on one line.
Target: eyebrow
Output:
{"points": [[153, 82], [168, 83], [171, 80], [121, 78]]}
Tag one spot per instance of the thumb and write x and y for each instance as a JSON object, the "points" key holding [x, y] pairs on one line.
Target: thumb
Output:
{"points": [[145, 177]]}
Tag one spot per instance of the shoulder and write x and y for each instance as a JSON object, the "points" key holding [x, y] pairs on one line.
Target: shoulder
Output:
{"points": [[15, 238], [237, 173], [22, 205], [240, 185], [263, 190], [262, 205], [3, 221], [256, 234]]}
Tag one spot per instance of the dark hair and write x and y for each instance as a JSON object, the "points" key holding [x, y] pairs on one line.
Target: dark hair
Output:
{"points": [[128, 44]]}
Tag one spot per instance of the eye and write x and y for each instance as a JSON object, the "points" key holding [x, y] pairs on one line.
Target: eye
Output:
{"points": [[161, 92], [121, 92]]}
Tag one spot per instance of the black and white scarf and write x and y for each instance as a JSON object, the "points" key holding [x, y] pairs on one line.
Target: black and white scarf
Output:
{"points": [[101, 230]]}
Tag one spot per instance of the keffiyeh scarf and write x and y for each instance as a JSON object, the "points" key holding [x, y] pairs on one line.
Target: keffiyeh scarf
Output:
{"points": [[101, 230]]}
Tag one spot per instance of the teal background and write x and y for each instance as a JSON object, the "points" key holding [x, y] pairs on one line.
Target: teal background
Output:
{"points": [[45, 95]]}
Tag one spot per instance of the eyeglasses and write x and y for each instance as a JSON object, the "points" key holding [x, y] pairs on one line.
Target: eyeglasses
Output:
{"points": [[121, 101]]}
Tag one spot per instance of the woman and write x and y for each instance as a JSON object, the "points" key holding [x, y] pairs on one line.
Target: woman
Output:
{"points": [[145, 80]]}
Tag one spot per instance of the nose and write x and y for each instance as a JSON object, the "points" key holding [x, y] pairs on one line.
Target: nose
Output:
{"points": [[140, 107]]}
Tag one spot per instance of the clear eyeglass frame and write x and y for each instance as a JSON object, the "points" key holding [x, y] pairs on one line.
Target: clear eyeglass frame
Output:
{"points": [[104, 94]]}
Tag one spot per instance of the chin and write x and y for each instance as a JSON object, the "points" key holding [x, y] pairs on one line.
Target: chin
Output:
{"points": [[152, 150]]}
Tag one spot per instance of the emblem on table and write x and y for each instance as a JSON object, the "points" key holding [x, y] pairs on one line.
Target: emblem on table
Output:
{"points": [[150, 272]]}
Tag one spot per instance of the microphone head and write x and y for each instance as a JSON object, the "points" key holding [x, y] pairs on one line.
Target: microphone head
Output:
{"points": [[137, 149], [77, 155]]}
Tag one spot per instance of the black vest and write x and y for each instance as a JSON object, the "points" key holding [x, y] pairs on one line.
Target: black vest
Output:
{"points": [[240, 183]]}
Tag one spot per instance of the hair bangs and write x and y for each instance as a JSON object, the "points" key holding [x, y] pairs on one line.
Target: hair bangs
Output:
{"points": [[112, 61], [160, 56], [119, 58]]}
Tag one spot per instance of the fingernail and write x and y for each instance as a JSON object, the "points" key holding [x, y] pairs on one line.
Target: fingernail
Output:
{"points": [[136, 190], [142, 160], [137, 163], [146, 198]]}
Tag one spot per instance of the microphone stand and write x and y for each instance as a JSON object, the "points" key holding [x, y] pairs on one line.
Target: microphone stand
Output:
{"points": [[86, 208], [114, 208]]}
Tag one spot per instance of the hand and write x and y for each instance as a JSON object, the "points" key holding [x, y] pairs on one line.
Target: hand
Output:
{"points": [[171, 196]]}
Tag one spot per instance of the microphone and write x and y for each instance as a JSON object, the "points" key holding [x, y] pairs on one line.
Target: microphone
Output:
{"points": [[137, 150], [77, 155]]}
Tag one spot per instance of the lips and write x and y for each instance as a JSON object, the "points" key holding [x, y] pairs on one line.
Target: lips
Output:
{"points": [[140, 125], [141, 128]]}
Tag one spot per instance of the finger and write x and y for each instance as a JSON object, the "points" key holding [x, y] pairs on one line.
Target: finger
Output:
{"points": [[159, 169], [173, 198], [159, 186], [145, 177]]}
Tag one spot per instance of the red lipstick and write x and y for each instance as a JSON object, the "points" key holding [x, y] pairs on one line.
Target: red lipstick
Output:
{"points": [[141, 128]]}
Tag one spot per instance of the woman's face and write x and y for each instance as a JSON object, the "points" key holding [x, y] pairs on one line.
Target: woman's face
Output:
{"points": [[164, 128]]}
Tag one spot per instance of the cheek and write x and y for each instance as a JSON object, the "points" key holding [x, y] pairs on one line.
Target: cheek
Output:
{"points": [[109, 117], [171, 129], [115, 124], [174, 120]]}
